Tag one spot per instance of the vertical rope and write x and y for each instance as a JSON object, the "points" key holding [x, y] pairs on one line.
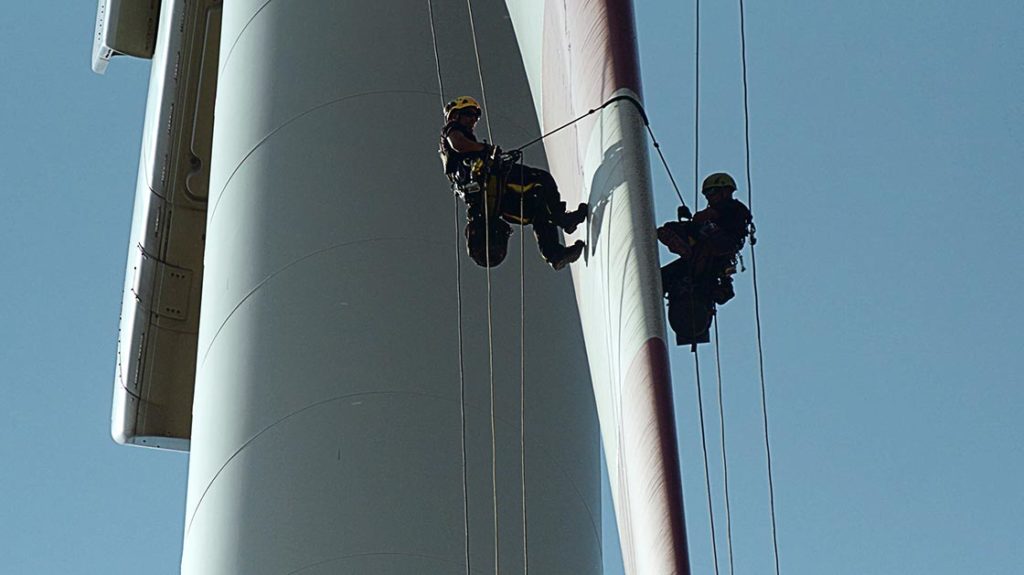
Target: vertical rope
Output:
{"points": [[479, 71], [664, 162], [522, 367], [696, 102], [437, 57], [490, 367], [490, 322], [707, 474], [693, 286], [458, 267], [757, 299], [462, 382], [458, 291], [725, 459]]}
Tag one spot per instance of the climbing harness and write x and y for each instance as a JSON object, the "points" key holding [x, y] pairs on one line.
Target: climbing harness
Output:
{"points": [[489, 181]]}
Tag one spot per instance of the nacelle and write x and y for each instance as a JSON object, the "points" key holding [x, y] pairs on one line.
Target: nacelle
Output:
{"points": [[124, 27]]}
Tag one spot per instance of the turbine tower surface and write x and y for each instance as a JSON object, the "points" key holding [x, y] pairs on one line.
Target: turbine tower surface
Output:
{"points": [[326, 426]]}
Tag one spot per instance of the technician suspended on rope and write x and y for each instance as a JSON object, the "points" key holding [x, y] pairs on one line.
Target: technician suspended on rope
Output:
{"points": [[707, 246], [498, 190]]}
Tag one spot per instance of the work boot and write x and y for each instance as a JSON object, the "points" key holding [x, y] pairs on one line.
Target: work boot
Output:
{"points": [[569, 220], [569, 255]]}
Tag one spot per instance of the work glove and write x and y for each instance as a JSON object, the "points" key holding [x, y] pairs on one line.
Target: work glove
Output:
{"points": [[684, 213], [511, 157]]}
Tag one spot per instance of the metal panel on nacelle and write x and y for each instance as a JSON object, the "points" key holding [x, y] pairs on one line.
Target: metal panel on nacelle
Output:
{"points": [[126, 27], [156, 355]]}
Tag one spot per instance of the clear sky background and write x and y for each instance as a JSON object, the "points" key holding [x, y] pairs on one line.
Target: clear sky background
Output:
{"points": [[887, 143]]}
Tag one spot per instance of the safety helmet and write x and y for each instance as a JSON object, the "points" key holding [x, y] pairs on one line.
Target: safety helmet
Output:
{"points": [[460, 103], [718, 180]]}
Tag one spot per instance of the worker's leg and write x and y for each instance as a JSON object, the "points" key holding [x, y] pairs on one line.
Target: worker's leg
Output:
{"points": [[547, 239], [551, 248], [541, 189], [527, 175], [542, 193], [547, 202]]}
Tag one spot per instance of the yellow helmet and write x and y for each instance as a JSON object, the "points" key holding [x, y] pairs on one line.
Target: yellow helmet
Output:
{"points": [[718, 180], [460, 103]]}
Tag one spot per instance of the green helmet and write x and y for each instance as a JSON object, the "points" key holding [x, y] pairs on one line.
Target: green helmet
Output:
{"points": [[718, 180]]}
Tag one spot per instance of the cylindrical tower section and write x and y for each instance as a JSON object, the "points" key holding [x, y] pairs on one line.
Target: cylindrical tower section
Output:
{"points": [[327, 427]]}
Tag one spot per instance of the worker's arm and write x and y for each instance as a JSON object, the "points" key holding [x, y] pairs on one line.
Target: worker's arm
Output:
{"points": [[708, 214], [463, 145]]}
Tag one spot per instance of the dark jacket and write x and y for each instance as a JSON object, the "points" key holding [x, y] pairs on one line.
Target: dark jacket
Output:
{"points": [[732, 219], [454, 162]]}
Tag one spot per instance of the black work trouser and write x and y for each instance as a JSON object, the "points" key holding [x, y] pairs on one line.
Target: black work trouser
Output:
{"points": [[533, 192]]}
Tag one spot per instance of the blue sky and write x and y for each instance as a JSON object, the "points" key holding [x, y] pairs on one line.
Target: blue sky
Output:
{"points": [[886, 144]]}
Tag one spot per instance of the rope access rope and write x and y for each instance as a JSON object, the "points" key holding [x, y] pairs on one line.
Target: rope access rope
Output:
{"points": [[696, 101], [647, 124], [458, 289], [693, 286], [522, 366], [725, 459], [490, 322], [491, 353], [704, 445], [753, 268], [479, 70], [718, 360]]}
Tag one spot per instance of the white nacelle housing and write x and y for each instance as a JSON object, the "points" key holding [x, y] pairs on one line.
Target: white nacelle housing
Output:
{"points": [[156, 349], [124, 27]]}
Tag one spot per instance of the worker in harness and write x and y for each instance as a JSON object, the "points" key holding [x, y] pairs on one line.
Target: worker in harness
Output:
{"points": [[499, 190], [707, 245]]}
